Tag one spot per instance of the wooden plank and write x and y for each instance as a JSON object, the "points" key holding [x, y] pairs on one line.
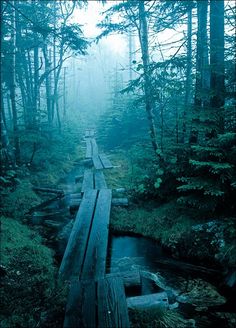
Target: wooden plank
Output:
{"points": [[99, 180], [87, 134], [130, 278], [148, 301], [88, 149], [73, 258], [91, 133], [97, 163], [81, 305], [95, 260], [112, 307], [88, 182], [94, 147], [105, 161], [120, 202]]}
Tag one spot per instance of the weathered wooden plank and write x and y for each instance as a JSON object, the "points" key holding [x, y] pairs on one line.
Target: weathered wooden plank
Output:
{"points": [[73, 258], [94, 147], [81, 305], [88, 182], [130, 278], [105, 161], [112, 307], [120, 202], [88, 149], [147, 301], [91, 133], [75, 203], [99, 180], [97, 163], [95, 260]]}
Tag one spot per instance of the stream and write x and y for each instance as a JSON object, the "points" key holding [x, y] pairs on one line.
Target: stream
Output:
{"points": [[195, 295]]}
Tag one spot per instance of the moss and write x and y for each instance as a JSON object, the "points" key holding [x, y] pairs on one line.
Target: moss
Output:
{"points": [[28, 285], [18, 201], [160, 222]]}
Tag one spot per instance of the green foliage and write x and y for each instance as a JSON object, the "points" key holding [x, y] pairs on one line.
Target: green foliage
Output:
{"points": [[210, 184]]}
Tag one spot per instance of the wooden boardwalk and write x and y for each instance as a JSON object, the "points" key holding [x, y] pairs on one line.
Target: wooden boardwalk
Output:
{"points": [[95, 299], [100, 161]]}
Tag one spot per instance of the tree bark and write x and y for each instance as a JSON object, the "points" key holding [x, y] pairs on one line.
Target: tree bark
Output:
{"points": [[12, 87], [143, 38], [217, 60]]}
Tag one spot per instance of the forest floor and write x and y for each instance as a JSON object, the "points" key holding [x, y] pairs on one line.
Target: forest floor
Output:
{"points": [[31, 294]]}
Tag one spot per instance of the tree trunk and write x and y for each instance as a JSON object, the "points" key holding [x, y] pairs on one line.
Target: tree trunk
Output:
{"points": [[188, 83], [12, 87], [217, 61], [143, 39], [201, 98]]}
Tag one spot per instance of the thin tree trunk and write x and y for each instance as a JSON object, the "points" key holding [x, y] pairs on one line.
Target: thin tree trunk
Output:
{"points": [[143, 38], [12, 87], [217, 60], [188, 83]]}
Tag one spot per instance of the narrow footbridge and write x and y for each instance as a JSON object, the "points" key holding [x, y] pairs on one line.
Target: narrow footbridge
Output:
{"points": [[96, 299]]}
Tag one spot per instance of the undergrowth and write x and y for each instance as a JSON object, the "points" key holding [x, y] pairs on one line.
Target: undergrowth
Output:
{"points": [[29, 293]]}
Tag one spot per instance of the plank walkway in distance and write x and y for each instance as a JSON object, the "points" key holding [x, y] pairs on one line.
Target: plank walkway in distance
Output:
{"points": [[105, 297]]}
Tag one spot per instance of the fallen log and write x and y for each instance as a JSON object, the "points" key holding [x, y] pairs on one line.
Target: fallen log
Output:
{"points": [[183, 266], [43, 204], [148, 301], [49, 190], [130, 278], [120, 202]]}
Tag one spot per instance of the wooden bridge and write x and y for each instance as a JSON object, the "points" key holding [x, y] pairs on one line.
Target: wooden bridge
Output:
{"points": [[95, 298]]}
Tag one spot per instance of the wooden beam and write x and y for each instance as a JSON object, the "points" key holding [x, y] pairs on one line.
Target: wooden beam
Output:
{"points": [[99, 180], [97, 163], [120, 202], [72, 262], [95, 260], [49, 190], [112, 307], [88, 182], [81, 305], [94, 147], [105, 161], [148, 301], [88, 149], [130, 278]]}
